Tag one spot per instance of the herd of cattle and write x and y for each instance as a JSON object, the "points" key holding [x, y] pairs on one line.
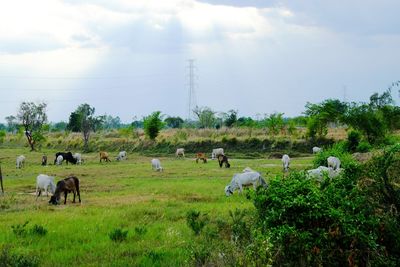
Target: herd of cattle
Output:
{"points": [[247, 178]]}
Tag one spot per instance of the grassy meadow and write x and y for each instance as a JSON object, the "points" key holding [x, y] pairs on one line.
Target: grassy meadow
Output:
{"points": [[151, 205]]}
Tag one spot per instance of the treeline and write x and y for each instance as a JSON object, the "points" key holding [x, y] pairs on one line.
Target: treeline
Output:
{"points": [[367, 123]]}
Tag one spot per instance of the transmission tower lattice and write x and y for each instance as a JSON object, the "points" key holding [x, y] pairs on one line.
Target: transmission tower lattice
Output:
{"points": [[192, 84]]}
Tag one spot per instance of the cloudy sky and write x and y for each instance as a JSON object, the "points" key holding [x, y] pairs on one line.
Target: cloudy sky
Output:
{"points": [[128, 58]]}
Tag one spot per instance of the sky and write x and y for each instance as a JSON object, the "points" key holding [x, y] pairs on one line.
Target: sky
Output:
{"points": [[128, 58]]}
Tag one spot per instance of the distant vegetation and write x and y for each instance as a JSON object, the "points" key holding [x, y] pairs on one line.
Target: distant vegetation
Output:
{"points": [[367, 125]]}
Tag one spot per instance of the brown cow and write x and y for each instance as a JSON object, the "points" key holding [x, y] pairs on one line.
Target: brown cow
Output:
{"points": [[201, 156], [104, 156], [68, 185]]}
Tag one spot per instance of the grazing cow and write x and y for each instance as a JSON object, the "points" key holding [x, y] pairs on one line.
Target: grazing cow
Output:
{"points": [[201, 156], [78, 158], [59, 160], [316, 150], [180, 152], [67, 156], [121, 156], [285, 162], [46, 183], [1, 181], [245, 179], [216, 152], [104, 156], [319, 173], [44, 160], [156, 165], [334, 163], [20, 161], [222, 159], [68, 185], [248, 169]]}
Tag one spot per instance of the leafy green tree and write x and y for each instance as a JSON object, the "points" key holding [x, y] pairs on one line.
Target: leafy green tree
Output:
{"points": [[230, 118], [32, 117], [153, 124], [320, 115], [83, 120], [206, 117], [174, 122], [246, 122], [366, 120], [274, 122]]}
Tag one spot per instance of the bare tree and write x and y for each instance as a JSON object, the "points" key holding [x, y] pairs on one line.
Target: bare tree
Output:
{"points": [[32, 117]]}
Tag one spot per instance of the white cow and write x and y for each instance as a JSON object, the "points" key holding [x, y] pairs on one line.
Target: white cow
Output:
{"points": [[319, 172], [59, 160], [248, 169], [216, 152], [78, 158], [44, 182], [316, 150], [156, 165], [122, 155], [334, 163], [180, 152], [244, 179], [20, 161], [285, 162]]}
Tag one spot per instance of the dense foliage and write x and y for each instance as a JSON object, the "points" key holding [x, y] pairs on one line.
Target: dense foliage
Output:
{"points": [[32, 117], [153, 125]]}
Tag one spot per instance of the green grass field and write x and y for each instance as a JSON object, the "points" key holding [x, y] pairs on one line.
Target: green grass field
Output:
{"points": [[127, 195]]}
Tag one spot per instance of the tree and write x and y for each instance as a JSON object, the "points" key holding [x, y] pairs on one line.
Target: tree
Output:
{"points": [[12, 123], [153, 124], [58, 126], [32, 117], [275, 122], [320, 115], [111, 122], [83, 120], [206, 117], [230, 118], [174, 122], [365, 119]]}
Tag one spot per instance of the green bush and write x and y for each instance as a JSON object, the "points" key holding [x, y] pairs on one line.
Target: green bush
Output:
{"points": [[20, 229], [363, 147], [196, 221], [338, 150], [9, 258], [118, 235], [153, 125], [309, 225], [353, 140], [38, 230]]}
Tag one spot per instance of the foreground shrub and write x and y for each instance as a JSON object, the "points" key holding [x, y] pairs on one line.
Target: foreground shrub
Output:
{"points": [[196, 221], [13, 259], [331, 225], [118, 235]]}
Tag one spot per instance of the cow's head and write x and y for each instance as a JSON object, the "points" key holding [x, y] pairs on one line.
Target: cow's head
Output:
{"points": [[55, 200], [228, 190]]}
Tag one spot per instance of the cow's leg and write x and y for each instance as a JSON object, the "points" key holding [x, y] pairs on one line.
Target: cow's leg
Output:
{"points": [[65, 197], [37, 192], [240, 188], [74, 196]]}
